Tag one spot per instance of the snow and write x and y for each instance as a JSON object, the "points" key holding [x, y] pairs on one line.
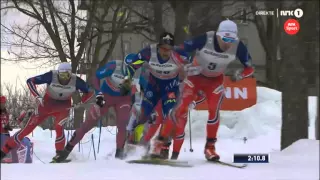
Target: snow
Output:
{"points": [[260, 124]]}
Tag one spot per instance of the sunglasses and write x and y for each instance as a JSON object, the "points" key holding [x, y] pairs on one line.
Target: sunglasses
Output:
{"points": [[228, 39], [64, 75]]}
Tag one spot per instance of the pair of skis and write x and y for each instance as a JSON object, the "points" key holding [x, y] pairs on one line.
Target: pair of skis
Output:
{"points": [[172, 163], [177, 163]]}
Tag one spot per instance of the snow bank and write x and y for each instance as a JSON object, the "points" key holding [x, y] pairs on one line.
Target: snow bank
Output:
{"points": [[258, 120], [302, 155], [297, 162]]}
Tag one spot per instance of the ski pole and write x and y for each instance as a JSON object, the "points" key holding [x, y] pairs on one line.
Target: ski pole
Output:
{"points": [[94, 150], [99, 135], [68, 135], [190, 132]]}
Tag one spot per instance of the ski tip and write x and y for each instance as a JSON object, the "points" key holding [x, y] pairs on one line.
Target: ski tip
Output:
{"points": [[230, 164], [65, 161]]}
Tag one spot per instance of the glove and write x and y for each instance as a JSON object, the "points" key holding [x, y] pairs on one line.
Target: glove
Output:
{"points": [[8, 127], [100, 100], [237, 76], [125, 87], [241, 74], [192, 105], [39, 101]]}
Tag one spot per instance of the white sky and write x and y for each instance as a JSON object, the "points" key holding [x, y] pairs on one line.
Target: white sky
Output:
{"points": [[12, 72]]}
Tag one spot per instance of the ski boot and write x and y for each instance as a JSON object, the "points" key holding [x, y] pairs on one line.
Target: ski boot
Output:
{"points": [[120, 154], [61, 156], [158, 145], [174, 155], [210, 150], [145, 145], [164, 154]]}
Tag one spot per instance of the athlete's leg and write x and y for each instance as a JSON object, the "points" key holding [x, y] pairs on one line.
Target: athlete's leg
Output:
{"points": [[134, 114], [122, 109], [149, 102], [169, 100], [93, 115], [157, 119], [214, 92], [60, 120], [188, 91]]}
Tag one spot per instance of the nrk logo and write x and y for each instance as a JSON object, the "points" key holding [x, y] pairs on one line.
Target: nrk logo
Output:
{"points": [[291, 26], [298, 13]]}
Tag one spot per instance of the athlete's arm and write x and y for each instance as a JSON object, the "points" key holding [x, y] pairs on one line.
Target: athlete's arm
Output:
{"points": [[245, 59], [185, 57], [103, 72], [45, 78], [106, 70], [196, 43], [83, 87], [138, 60]]}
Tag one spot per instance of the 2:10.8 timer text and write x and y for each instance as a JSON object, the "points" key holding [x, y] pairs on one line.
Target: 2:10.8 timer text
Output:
{"points": [[251, 158]]}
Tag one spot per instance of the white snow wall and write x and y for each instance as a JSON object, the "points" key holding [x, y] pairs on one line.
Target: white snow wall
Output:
{"points": [[260, 119]]}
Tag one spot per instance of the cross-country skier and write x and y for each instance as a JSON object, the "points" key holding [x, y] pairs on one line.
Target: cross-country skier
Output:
{"points": [[142, 134], [166, 68], [61, 84], [136, 108], [155, 121], [112, 89], [214, 51]]}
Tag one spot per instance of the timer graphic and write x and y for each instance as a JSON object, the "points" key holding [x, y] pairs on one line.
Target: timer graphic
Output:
{"points": [[251, 158]]}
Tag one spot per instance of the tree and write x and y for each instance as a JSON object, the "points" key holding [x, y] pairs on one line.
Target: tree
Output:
{"points": [[181, 14], [269, 33], [190, 18], [57, 31], [206, 17], [293, 77]]}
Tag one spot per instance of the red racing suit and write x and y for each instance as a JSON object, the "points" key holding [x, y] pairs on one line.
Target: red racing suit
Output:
{"points": [[207, 75]]}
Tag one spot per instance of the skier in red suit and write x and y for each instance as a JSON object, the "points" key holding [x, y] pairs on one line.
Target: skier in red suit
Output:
{"points": [[61, 84]]}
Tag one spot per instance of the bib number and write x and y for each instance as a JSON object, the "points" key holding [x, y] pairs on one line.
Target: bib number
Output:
{"points": [[162, 72], [212, 66]]}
